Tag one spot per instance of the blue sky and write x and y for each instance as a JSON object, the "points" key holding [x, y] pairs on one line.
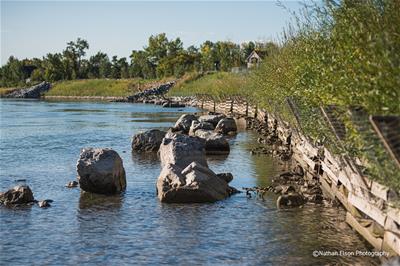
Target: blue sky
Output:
{"points": [[33, 28]]}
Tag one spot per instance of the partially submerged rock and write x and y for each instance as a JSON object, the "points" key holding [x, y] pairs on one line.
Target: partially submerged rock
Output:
{"points": [[72, 184], [227, 177], [212, 118], [148, 141], [101, 171], [214, 143], [20, 194], [196, 125], [45, 203], [181, 150], [290, 200], [194, 184], [226, 125], [184, 123]]}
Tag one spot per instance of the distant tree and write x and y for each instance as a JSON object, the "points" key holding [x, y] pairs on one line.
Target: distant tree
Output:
{"points": [[73, 54]]}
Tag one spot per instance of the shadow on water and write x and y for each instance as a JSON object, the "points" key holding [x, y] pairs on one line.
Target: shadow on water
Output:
{"points": [[145, 158], [97, 202]]}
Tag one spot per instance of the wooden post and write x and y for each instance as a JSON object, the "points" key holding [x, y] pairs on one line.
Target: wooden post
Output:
{"points": [[247, 108], [256, 111], [202, 103], [231, 106], [214, 105]]}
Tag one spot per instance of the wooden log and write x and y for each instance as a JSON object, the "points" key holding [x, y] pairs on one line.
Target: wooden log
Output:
{"points": [[367, 208], [374, 241]]}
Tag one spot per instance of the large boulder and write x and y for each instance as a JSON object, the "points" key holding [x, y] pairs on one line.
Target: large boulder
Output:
{"points": [[215, 142], [181, 150], [200, 125], [17, 195], [226, 126], [194, 184], [148, 141], [213, 119], [101, 171], [184, 122]]}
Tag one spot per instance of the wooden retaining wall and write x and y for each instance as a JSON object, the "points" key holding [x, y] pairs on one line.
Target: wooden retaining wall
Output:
{"points": [[370, 210]]}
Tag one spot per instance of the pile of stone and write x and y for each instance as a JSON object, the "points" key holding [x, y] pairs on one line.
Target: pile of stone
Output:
{"points": [[293, 189], [32, 92], [148, 94], [21, 195], [185, 176]]}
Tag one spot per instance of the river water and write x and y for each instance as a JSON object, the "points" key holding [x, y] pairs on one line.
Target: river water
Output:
{"points": [[41, 141]]}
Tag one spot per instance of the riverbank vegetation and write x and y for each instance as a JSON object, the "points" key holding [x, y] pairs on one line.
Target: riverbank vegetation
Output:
{"points": [[161, 57], [102, 87], [344, 54]]}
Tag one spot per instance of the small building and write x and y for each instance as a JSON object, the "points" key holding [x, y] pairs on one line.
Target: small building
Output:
{"points": [[255, 58]]}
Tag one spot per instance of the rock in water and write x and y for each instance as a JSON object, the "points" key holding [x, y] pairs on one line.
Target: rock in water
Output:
{"points": [[101, 171], [181, 150], [148, 141], [215, 142], [44, 203], [213, 119], [194, 184], [72, 184], [184, 123], [290, 200], [17, 195], [200, 125], [227, 177], [226, 126]]}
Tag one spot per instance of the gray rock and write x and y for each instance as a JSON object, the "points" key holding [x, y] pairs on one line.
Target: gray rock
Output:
{"points": [[227, 177], [32, 92], [101, 171], [72, 184], [181, 150], [290, 200], [215, 143], [226, 126], [194, 184], [20, 194], [200, 125], [44, 203], [213, 119], [184, 123], [148, 141]]}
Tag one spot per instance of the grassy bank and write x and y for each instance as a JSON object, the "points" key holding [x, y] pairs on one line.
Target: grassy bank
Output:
{"points": [[218, 85], [101, 87], [4, 91]]}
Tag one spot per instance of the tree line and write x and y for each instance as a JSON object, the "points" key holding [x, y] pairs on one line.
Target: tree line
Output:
{"points": [[161, 57]]}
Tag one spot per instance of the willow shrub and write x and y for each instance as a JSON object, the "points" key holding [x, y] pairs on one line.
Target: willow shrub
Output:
{"points": [[343, 53]]}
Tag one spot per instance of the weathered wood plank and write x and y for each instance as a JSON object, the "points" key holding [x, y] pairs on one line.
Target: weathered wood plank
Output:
{"points": [[394, 214], [391, 240], [392, 226], [329, 172], [368, 208], [379, 190], [375, 242], [345, 180]]}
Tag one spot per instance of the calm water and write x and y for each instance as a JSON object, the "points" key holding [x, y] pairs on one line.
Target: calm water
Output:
{"points": [[41, 141]]}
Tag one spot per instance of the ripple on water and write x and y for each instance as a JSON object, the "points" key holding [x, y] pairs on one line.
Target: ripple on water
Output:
{"points": [[40, 142]]}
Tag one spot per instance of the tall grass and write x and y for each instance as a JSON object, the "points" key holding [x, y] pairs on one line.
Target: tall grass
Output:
{"points": [[219, 85], [101, 87], [344, 53]]}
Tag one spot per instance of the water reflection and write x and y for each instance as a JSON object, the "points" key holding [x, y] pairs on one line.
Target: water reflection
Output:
{"points": [[96, 202]]}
